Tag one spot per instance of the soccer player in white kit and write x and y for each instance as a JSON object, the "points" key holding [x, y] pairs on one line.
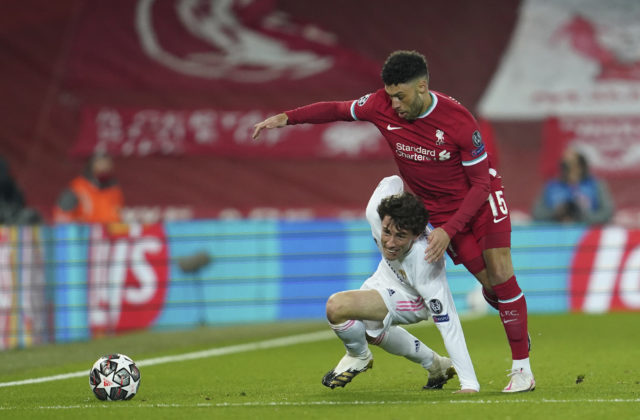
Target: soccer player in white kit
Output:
{"points": [[405, 289]]}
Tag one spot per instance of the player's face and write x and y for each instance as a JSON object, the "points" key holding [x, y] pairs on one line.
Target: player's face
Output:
{"points": [[395, 242], [407, 99]]}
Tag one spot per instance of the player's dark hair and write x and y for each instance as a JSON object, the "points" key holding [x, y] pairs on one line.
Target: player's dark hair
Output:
{"points": [[406, 210], [403, 66]]}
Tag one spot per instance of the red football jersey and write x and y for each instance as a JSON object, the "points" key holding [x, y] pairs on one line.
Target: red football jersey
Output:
{"points": [[440, 154], [432, 150]]}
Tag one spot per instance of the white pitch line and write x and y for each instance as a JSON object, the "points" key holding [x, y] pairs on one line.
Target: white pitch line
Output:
{"points": [[506, 400], [220, 351]]}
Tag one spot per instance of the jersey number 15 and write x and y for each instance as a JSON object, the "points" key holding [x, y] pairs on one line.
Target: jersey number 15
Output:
{"points": [[499, 210]]}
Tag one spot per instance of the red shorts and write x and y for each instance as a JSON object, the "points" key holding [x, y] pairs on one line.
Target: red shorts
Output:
{"points": [[489, 228]]}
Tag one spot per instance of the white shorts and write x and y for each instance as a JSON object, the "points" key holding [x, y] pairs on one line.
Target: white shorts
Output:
{"points": [[403, 302]]}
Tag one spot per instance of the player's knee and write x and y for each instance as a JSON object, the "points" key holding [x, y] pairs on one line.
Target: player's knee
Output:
{"points": [[335, 308]]}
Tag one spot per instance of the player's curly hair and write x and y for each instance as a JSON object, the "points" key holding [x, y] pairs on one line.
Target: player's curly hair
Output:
{"points": [[406, 210], [403, 66]]}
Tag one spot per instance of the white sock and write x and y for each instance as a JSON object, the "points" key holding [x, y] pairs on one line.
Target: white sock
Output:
{"points": [[522, 364], [353, 335], [400, 342]]}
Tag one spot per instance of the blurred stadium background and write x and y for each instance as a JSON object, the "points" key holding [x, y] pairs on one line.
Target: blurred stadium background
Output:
{"points": [[222, 230]]}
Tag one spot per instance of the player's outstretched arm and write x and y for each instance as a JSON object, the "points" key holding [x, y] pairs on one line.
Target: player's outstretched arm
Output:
{"points": [[276, 121]]}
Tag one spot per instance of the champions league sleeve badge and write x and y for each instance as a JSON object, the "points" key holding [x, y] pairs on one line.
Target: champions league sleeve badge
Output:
{"points": [[476, 137], [363, 100], [436, 306], [436, 310]]}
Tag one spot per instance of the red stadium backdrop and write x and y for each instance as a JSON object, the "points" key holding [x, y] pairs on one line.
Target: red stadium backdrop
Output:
{"points": [[173, 88]]}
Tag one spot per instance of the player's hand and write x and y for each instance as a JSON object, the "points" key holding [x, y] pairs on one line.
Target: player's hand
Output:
{"points": [[438, 242], [465, 391], [276, 121]]}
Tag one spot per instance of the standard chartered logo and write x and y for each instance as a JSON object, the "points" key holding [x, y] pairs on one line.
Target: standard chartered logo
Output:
{"points": [[415, 153]]}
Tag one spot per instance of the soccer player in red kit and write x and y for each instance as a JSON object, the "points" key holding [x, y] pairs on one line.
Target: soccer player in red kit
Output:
{"points": [[441, 156]]}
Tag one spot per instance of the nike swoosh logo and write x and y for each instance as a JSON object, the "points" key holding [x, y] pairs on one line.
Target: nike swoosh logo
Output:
{"points": [[499, 220], [390, 128], [506, 321]]}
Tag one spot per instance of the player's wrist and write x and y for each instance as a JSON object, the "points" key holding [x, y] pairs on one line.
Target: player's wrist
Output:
{"points": [[288, 118], [449, 230]]}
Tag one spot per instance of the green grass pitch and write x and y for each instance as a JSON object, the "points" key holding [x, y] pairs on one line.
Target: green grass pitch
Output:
{"points": [[586, 367]]}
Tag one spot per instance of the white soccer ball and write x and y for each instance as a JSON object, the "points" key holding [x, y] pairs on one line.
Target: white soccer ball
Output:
{"points": [[114, 377]]}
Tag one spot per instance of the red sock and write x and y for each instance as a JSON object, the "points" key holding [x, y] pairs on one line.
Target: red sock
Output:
{"points": [[513, 314], [491, 298]]}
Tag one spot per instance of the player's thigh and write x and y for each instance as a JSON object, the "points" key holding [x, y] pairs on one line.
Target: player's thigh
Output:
{"points": [[466, 250], [356, 304], [492, 233]]}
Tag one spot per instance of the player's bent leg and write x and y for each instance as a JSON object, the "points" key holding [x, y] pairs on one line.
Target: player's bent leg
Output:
{"points": [[344, 312], [358, 358]]}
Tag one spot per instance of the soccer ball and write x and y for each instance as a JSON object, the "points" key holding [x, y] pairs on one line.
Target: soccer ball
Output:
{"points": [[114, 377]]}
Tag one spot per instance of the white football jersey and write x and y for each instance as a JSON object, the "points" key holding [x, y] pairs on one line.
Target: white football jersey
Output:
{"points": [[429, 281]]}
